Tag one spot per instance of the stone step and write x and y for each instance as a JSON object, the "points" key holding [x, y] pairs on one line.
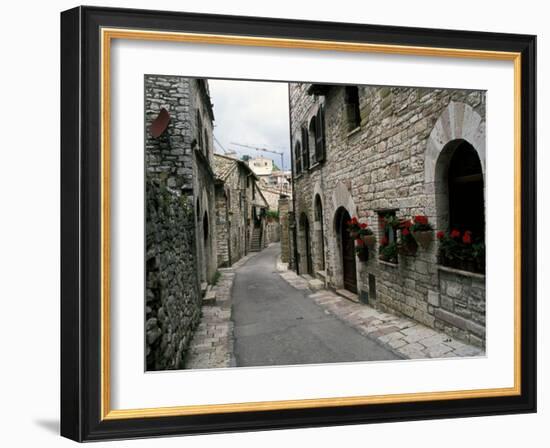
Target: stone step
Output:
{"points": [[209, 298], [348, 295], [316, 284]]}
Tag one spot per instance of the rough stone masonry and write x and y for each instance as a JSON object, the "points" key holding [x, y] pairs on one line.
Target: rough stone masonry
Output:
{"points": [[385, 150]]}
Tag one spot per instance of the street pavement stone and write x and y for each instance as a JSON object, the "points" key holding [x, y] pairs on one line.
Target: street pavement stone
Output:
{"points": [[404, 337], [212, 345]]}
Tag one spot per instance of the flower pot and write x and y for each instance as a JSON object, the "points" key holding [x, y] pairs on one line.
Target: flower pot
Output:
{"points": [[423, 237], [369, 240], [408, 249], [363, 254]]}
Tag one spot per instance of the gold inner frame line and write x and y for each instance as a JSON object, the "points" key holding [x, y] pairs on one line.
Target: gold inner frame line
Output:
{"points": [[107, 35]]}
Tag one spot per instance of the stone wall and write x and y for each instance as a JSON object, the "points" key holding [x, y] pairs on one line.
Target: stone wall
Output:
{"points": [[284, 226], [180, 214], [386, 163], [172, 285], [272, 234]]}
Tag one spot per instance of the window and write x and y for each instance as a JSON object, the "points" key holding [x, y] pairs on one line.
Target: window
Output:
{"points": [[353, 114], [206, 143], [199, 130], [305, 149], [298, 158], [387, 223], [312, 136], [466, 201], [320, 141]]}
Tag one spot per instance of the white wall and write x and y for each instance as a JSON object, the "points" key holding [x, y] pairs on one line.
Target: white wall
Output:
{"points": [[29, 182]]}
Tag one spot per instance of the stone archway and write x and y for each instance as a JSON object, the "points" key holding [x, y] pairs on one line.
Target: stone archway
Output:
{"points": [[346, 250], [341, 202], [457, 124]]}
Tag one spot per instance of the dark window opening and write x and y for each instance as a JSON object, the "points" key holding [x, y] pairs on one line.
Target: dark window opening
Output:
{"points": [[305, 149], [320, 140], [466, 201], [387, 222], [298, 158], [199, 131], [353, 114]]}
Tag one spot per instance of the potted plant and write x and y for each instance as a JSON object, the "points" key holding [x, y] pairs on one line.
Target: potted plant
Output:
{"points": [[367, 235], [353, 227], [389, 253], [361, 250], [461, 250], [407, 244], [422, 230]]}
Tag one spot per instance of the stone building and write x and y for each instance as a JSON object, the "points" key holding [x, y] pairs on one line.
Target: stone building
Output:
{"points": [[240, 210], [181, 241], [383, 153]]}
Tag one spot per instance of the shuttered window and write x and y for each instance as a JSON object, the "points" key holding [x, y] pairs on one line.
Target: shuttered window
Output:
{"points": [[305, 149], [298, 158], [199, 130], [320, 140]]}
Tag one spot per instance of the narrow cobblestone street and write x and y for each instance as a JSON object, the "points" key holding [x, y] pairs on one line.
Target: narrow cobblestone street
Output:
{"points": [[265, 314]]}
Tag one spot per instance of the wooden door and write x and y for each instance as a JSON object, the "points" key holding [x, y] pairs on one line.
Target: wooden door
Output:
{"points": [[309, 260], [348, 256]]}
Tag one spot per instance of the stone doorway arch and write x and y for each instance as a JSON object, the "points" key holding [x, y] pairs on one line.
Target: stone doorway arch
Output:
{"points": [[346, 250], [459, 124]]}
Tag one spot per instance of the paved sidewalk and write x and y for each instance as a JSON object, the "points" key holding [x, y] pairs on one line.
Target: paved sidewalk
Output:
{"points": [[212, 345], [404, 337]]}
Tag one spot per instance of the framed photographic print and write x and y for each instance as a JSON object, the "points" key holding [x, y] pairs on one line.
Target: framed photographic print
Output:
{"points": [[274, 223]]}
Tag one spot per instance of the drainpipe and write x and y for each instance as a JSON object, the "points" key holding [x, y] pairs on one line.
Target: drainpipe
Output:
{"points": [[294, 239]]}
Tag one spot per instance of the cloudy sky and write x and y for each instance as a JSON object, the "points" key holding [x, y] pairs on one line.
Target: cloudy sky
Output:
{"points": [[252, 113]]}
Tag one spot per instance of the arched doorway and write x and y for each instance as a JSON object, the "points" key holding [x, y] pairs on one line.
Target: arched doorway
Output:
{"points": [[306, 262], [346, 246]]}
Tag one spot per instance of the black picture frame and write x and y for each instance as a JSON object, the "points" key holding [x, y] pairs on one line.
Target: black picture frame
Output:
{"points": [[81, 224]]}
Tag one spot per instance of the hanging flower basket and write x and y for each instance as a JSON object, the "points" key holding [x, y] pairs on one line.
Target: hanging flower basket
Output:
{"points": [[369, 240], [361, 250], [409, 248], [422, 231], [362, 253], [423, 237], [407, 244]]}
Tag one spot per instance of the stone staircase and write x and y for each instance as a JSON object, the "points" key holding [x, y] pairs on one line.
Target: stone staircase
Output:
{"points": [[256, 240]]}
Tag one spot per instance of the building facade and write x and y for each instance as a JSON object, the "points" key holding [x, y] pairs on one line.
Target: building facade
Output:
{"points": [[381, 154], [181, 241], [240, 210]]}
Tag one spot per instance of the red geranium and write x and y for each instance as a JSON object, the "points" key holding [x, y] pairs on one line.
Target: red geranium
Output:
{"points": [[405, 231], [406, 224], [363, 225], [455, 233], [384, 241], [440, 235], [467, 237], [421, 219]]}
